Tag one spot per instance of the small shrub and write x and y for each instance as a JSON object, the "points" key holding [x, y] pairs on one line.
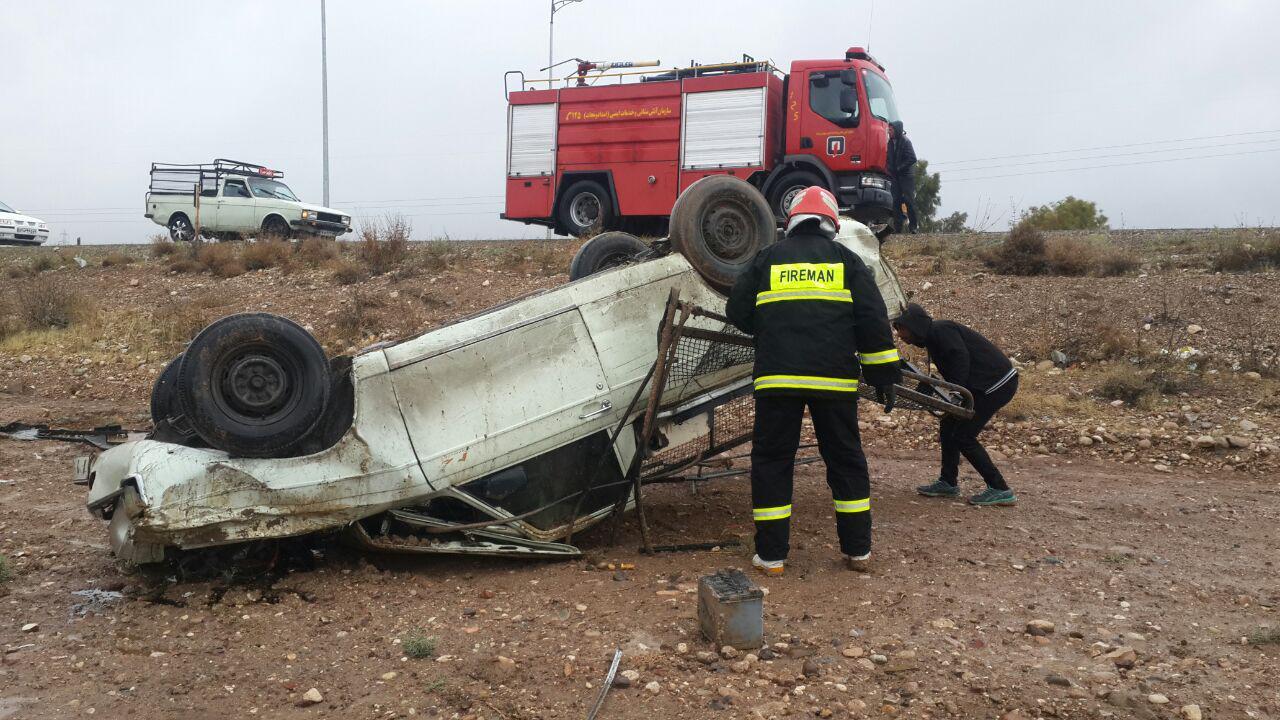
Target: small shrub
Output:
{"points": [[44, 304], [1247, 256], [6, 570], [44, 262], [436, 256], [345, 272], [1023, 252], [15, 272], [180, 322], [418, 646], [383, 246], [1265, 636], [162, 246], [220, 260], [185, 264], [117, 259], [1125, 383], [316, 252], [265, 254]]}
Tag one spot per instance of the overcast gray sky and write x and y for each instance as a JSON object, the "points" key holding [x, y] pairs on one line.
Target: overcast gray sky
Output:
{"points": [[91, 92]]}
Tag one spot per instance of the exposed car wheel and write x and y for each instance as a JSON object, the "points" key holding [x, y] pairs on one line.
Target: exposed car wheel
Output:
{"points": [[584, 207], [788, 187], [719, 223], [180, 229], [604, 251], [253, 385], [164, 393], [121, 531], [275, 227]]}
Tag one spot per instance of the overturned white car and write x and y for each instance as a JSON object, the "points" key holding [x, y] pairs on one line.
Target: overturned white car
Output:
{"points": [[498, 434]]}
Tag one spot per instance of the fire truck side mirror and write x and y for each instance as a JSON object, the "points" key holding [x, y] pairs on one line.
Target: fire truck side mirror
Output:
{"points": [[849, 77], [849, 101]]}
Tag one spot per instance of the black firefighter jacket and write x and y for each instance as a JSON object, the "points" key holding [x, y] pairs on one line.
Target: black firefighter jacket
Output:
{"points": [[817, 317]]}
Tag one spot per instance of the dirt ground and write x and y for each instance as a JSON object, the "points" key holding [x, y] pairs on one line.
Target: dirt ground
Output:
{"points": [[1150, 551]]}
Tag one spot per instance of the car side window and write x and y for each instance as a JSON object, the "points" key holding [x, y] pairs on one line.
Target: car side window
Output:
{"points": [[235, 188], [824, 98]]}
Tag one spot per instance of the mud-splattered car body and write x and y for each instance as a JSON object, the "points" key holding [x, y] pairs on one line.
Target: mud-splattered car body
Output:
{"points": [[487, 418]]}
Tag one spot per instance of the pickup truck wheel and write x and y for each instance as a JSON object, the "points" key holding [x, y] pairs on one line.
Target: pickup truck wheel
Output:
{"points": [[253, 385], [180, 229], [719, 223], [604, 251], [584, 207], [785, 190], [275, 227], [164, 392]]}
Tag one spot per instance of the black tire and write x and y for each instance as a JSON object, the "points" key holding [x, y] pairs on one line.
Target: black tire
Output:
{"points": [[253, 385], [786, 188], [275, 227], [584, 208], [604, 251], [180, 228], [719, 223], [164, 394]]}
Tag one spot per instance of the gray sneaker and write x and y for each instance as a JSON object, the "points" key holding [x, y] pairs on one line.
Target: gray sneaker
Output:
{"points": [[939, 489], [992, 496]]}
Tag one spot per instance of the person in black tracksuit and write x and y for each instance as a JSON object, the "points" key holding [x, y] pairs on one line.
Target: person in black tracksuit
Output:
{"points": [[902, 164], [818, 323], [968, 359]]}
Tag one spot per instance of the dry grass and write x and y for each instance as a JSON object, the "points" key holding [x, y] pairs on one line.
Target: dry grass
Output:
{"points": [[220, 260], [1026, 251], [162, 246], [1128, 384], [44, 304], [117, 259], [1030, 405], [265, 254], [384, 245], [316, 252], [346, 272], [178, 323], [542, 258], [1245, 255]]}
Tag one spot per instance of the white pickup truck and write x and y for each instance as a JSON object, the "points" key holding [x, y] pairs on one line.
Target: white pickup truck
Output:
{"points": [[237, 199]]}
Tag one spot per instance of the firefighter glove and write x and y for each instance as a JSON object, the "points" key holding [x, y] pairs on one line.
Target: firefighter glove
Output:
{"points": [[886, 395]]}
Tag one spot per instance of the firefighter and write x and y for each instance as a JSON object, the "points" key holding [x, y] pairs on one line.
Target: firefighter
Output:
{"points": [[902, 163], [819, 322], [968, 359]]}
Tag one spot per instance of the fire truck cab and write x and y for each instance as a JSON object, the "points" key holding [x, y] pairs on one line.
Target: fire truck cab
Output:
{"points": [[613, 151]]}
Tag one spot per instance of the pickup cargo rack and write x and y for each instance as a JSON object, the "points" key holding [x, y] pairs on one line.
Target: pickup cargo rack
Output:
{"points": [[179, 179]]}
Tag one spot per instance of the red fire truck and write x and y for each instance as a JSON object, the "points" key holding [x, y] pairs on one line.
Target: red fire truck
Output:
{"points": [[613, 151]]}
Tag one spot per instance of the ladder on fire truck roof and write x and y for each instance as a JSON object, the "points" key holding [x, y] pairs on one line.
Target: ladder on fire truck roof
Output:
{"points": [[747, 64], [179, 178]]}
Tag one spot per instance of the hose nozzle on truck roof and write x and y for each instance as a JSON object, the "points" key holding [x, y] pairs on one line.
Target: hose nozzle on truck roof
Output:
{"points": [[586, 66]]}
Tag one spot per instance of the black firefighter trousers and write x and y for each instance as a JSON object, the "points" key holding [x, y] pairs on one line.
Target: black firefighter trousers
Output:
{"points": [[773, 458]]}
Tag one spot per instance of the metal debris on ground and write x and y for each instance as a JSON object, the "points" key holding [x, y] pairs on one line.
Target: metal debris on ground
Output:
{"points": [[608, 683], [731, 609]]}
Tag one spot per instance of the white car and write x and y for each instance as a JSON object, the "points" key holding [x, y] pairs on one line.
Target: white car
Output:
{"points": [[19, 229], [237, 199], [500, 434]]}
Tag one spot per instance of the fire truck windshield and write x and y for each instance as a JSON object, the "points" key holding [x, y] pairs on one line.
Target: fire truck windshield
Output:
{"points": [[880, 97], [272, 189]]}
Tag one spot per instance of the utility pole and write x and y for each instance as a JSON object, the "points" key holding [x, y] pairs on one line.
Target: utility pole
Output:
{"points": [[556, 6], [324, 96]]}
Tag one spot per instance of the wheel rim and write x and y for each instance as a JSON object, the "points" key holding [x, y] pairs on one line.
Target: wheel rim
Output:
{"points": [[253, 385], [787, 197], [181, 230], [727, 229], [585, 210]]}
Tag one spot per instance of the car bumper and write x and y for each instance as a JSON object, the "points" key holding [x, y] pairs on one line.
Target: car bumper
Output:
{"points": [[320, 227], [10, 236]]}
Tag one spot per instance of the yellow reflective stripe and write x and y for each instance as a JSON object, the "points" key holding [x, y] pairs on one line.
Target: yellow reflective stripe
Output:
{"points": [[853, 506], [805, 382], [879, 358], [772, 513], [806, 276], [769, 296]]}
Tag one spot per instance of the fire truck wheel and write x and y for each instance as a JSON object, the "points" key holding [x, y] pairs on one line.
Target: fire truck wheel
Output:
{"points": [[604, 251], [584, 207], [786, 188], [180, 229], [253, 385], [719, 223]]}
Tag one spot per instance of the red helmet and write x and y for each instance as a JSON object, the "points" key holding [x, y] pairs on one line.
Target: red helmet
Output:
{"points": [[814, 202]]}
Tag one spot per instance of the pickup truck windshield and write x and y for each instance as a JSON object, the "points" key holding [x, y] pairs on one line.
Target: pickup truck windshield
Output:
{"points": [[272, 189], [6, 208]]}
